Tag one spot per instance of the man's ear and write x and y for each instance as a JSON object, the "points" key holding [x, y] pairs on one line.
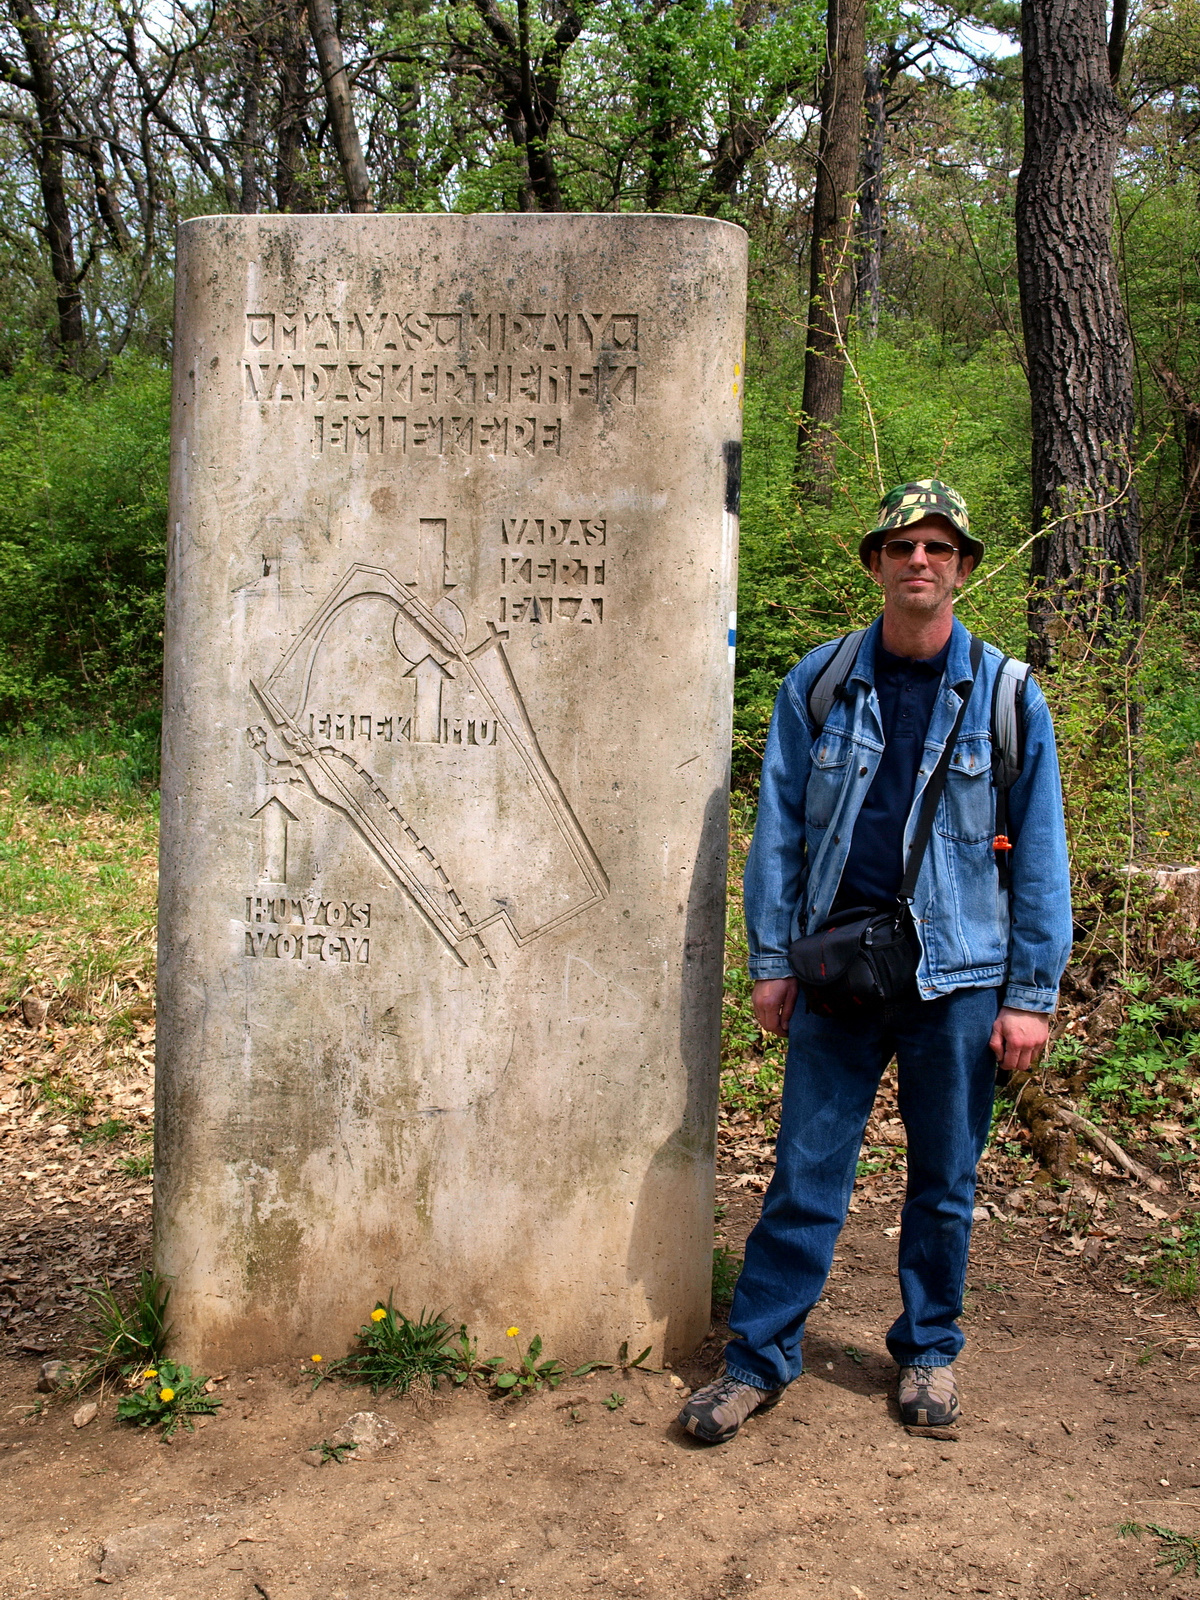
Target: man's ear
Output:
{"points": [[876, 561], [966, 565]]}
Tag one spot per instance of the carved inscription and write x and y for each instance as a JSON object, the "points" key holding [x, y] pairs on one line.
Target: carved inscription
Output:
{"points": [[530, 577], [383, 435], [367, 727], [435, 383], [508, 383], [308, 911], [553, 530], [306, 929], [381, 331], [551, 608]]}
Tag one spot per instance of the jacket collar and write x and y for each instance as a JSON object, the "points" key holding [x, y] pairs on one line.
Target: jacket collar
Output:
{"points": [[958, 662]]}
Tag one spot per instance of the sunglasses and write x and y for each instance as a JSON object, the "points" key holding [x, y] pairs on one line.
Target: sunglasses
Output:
{"points": [[935, 549]]}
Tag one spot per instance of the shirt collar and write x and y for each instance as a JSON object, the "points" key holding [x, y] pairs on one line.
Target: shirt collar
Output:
{"points": [[958, 662]]}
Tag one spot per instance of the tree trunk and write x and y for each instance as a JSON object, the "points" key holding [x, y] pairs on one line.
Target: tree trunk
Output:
{"points": [[868, 266], [249, 140], [291, 191], [1187, 427], [832, 265], [341, 109], [52, 141], [1086, 566]]}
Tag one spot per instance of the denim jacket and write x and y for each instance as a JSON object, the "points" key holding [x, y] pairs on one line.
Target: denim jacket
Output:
{"points": [[973, 933]]}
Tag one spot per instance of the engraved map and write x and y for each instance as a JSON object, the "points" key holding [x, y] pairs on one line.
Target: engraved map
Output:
{"points": [[392, 711]]}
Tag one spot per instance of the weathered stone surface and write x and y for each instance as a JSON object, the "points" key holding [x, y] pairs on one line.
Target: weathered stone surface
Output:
{"points": [[368, 1432], [444, 776], [54, 1375], [122, 1552]]}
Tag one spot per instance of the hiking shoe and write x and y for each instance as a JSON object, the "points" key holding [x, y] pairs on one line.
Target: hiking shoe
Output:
{"points": [[716, 1412], [928, 1397]]}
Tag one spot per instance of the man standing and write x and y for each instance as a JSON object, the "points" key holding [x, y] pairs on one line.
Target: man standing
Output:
{"points": [[838, 809]]}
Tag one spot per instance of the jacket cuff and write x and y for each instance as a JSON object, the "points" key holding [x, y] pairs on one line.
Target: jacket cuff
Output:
{"points": [[1023, 997], [770, 967]]}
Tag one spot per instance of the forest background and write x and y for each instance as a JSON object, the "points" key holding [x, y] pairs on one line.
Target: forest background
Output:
{"points": [[118, 118]]}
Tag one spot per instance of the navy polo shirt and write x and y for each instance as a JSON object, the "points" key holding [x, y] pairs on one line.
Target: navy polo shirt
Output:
{"points": [[907, 691]]}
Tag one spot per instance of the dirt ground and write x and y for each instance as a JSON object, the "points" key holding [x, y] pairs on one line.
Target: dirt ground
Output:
{"points": [[1080, 1391]]}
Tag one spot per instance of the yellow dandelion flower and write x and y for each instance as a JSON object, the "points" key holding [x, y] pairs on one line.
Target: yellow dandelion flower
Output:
{"points": [[166, 1394], [317, 1358], [150, 1372], [513, 1332], [378, 1314]]}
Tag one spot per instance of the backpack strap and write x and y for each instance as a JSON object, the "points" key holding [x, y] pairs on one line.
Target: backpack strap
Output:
{"points": [[936, 783], [1008, 750], [827, 685]]}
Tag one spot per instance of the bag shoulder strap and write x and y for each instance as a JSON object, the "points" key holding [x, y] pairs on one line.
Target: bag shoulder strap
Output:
{"points": [[937, 782], [1008, 721], [1008, 750], [831, 678]]}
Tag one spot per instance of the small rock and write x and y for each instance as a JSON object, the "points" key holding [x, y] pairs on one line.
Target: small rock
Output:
{"points": [[121, 1552], [313, 1457], [368, 1431], [54, 1375], [981, 1214], [904, 1470], [677, 1382], [34, 1009], [85, 1414]]}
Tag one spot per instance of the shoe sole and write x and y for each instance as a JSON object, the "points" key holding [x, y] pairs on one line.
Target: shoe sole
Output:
{"points": [[949, 1435], [691, 1425]]}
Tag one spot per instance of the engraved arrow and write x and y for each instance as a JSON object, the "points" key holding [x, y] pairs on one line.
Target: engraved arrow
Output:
{"points": [[427, 722], [275, 818]]}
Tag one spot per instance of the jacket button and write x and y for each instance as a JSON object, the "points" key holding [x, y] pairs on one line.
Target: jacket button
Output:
{"points": [[862, 772]]}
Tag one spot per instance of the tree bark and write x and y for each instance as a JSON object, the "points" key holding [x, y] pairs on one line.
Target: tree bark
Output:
{"points": [[291, 191], [1086, 565], [341, 108], [868, 266], [51, 142], [832, 265], [1187, 426]]}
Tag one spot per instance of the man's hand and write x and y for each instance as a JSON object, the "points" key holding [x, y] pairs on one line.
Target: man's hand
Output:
{"points": [[774, 1000], [1018, 1038]]}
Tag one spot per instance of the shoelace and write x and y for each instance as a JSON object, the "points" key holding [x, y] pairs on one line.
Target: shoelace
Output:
{"points": [[726, 1388]]}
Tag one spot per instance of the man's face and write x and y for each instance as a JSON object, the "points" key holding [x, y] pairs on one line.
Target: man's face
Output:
{"points": [[918, 585]]}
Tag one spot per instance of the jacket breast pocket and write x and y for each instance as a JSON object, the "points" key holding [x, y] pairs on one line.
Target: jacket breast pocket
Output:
{"points": [[967, 812], [827, 777]]}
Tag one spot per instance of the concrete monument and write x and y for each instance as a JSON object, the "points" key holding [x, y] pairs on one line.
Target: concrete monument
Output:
{"points": [[448, 690]]}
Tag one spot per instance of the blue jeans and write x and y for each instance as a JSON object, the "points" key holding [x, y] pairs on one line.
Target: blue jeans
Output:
{"points": [[947, 1076]]}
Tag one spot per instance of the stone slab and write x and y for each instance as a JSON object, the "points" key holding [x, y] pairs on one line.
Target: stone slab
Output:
{"points": [[447, 719]]}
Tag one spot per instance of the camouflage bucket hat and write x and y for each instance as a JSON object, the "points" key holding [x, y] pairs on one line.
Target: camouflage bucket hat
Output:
{"points": [[909, 503]]}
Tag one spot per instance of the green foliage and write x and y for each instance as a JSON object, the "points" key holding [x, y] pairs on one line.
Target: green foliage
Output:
{"points": [[726, 1270], [83, 473], [170, 1395], [127, 1334], [1174, 1265], [613, 1402], [335, 1452], [528, 1373], [1179, 1551], [1156, 1050], [395, 1352]]}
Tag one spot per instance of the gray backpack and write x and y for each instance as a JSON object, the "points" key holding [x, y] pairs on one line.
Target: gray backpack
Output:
{"points": [[1008, 724]]}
